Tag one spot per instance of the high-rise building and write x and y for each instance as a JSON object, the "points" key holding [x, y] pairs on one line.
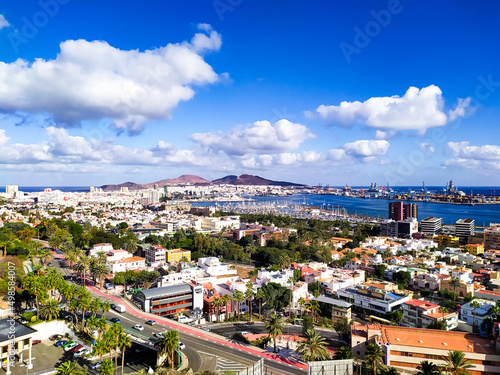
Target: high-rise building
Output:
{"points": [[410, 210], [464, 227], [396, 211], [492, 238], [431, 225], [11, 190]]}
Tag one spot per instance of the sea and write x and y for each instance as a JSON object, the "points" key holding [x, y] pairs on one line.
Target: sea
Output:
{"points": [[378, 208]]}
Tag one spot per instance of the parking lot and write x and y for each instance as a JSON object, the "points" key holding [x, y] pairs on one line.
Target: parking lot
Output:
{"points": [[46, 356]]}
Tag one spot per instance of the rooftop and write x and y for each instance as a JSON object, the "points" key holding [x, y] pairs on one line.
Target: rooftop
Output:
{"points": [[18, 329]]}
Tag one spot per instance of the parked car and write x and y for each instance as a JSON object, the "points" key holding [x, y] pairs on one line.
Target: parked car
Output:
{"points": [[55, 337], [115, 320], [96, 365], [76, 348], [34, 342], [182, 346], [151, 322], [81, 352], [69, 347], [139, 327], [68, 343], [60, 342]]}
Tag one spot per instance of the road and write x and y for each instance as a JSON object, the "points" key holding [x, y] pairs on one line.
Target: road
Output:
{"points": [[202, 354]]}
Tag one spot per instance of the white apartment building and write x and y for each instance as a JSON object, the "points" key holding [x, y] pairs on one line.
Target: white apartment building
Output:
{"points": [[156, 255], [373, 299], [218, 223], [419, 314], [214, 267], [467, 311], [127, 264]]}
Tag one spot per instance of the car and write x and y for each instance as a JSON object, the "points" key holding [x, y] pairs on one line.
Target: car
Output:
{"points": [[158, 334], [68, 343], [34, 342], [112, 306], [96, 365], [206, 329], [81, 352], [69, 347], [139, 327], [115, 320], [244, 332], [55, 337], [251, 323], [60, 342], [182, 346], [76, 348], [151, 322]]}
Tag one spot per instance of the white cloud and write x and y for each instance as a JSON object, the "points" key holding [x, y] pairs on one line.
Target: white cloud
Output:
{"points": [[427, 147], [464, 151], [460, 109], [261, 138], [93, 80], [366, 148], [418, 109], [3, 22]]}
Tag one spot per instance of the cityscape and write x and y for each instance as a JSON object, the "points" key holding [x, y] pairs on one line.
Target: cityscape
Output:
{"points": [[232, 187]]}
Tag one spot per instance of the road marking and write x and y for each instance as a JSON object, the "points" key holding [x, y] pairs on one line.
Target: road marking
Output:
{"points": [[121, 316]]}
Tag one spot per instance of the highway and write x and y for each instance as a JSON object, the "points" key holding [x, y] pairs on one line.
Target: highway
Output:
{"points": [[202, 354]]}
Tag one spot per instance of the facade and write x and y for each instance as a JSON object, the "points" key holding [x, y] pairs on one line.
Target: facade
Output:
{"points": [[464, 227], [431, 225], [410, 211], [426, 281], [15, 338], [467, 312], [396, 211], [127, 264], [474, 248], [492, 238], [340, 309], [420, 314], [155, 254], [171, 299], [405, 348], [465, 289], [214, 267], [400, 229], [216, 224], [373, 299], [175, 255]]}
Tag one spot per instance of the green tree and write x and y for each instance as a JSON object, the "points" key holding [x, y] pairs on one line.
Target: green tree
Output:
{"points": [[124, 341], [374, 356], [217, 304], [260, 295], [167, 345], [428, 368], [106, 368], [250, 295], [239, 298], [456, 364], [313, 307], [70, 368], [379, 271], [227, 298], [36, 286], [105, 307], [343, 328], [313, 348], [475, 305], [50, 310], [455, 283], [274, 327], [344, 352]]}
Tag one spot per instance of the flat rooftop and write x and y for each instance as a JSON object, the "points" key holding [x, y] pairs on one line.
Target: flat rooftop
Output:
{"points": [[18, 330]]}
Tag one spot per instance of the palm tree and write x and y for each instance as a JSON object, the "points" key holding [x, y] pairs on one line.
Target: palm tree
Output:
{"points": [[73, 308], [50, 310], [284, 261], [374, 356], [83, 305], [105, 307], [81, 267], [260, 295], [95, 305], [100, 348], [123, 342], [52, 279], [239, 298], [455, 283], [428, 368], [113, 336], [70, 368], [274, 327], [227, 298], [106, 367], [302, 302], [344, 352], [36, 287], [314, 348], [495, 310], [250, 296], [388, 371], [456, 363], [475, 305], [167, 344], [45, 256], [217, 304], [313, 307]]}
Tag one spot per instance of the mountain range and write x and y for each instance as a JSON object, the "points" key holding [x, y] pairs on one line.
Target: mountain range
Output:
{"points": [[244, 179]]}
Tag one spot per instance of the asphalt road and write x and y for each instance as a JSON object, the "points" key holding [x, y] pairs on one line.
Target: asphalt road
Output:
{"points": [[202, 354]]}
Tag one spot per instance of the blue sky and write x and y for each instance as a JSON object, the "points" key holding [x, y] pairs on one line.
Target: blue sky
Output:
{"points": [[93, 93]]}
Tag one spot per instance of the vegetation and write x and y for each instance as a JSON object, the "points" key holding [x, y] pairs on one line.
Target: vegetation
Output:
{"points": [[456, 364], [274, 327], [313, 348]]}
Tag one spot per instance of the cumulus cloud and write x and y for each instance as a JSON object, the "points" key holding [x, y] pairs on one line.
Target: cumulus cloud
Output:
{"points": [[417, 109], [366, 148], [3, 22], [464, 151], [261, 137], [427, 147], [93, 80]]}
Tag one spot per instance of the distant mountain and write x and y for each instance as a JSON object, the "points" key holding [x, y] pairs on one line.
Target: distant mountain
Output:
{"points": [[247, 179], [130, 185], [244, 179]]}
